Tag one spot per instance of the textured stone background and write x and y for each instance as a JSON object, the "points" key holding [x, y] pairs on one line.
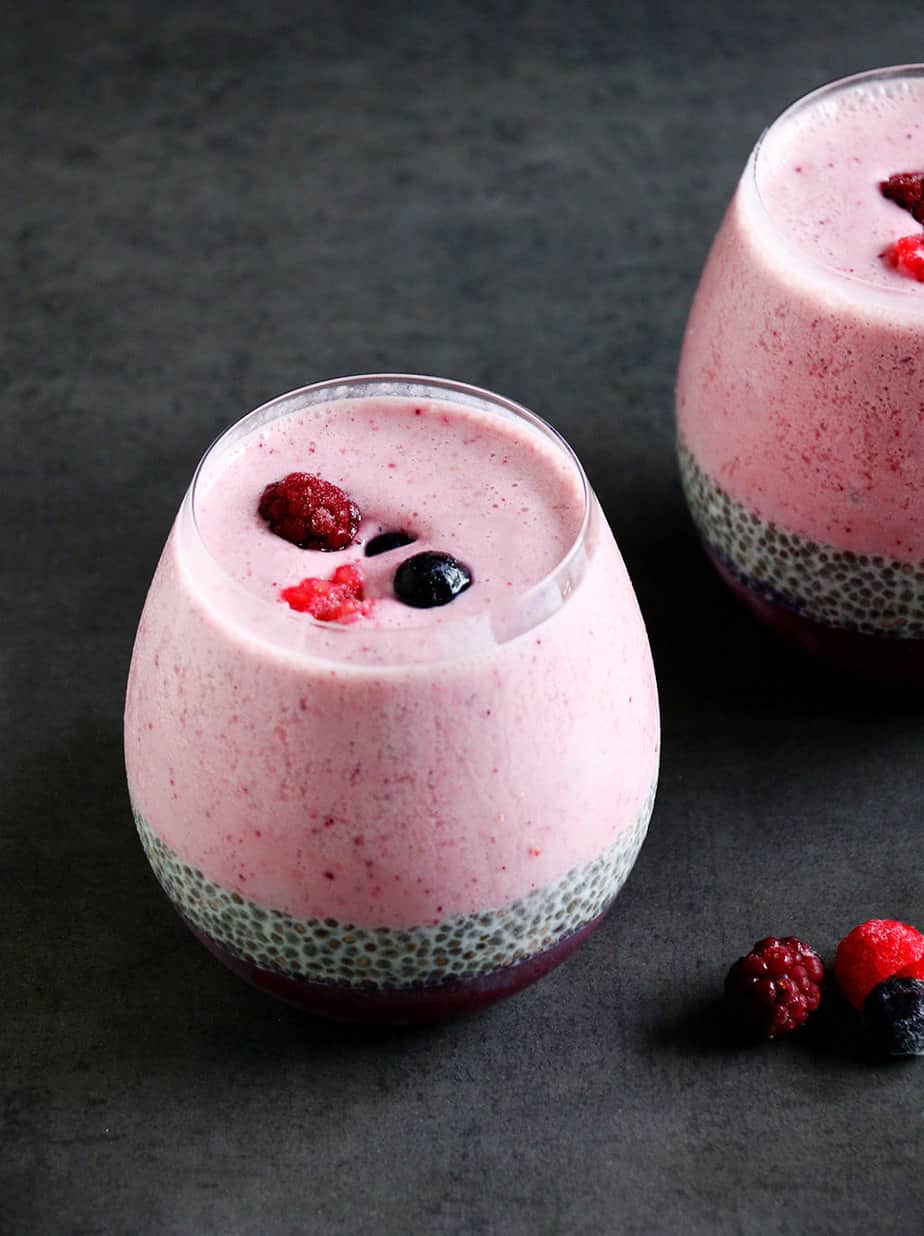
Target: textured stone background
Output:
{"points": [[206, 204]]}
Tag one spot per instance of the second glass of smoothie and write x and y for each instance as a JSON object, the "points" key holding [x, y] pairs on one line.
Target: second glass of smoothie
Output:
{"points": [[800, 397], [396, 762]]}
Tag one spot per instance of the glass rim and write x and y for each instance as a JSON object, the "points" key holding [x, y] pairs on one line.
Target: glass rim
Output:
{"points": [[394, 385], [899, 294]]}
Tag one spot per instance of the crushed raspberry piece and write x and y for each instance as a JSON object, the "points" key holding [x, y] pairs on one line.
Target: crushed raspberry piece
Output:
{"points": [[914, 971], [776, 987], [310, 512], [338, 599], [873, 952], [906, 256], [906, 189]]}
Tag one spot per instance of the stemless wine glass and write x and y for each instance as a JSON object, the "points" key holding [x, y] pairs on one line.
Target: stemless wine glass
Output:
{"points": [[391, 823], [800, 397]]}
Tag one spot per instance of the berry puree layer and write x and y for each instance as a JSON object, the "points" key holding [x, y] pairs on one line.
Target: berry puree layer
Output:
{"points": [[391, 724], [801, 386]]}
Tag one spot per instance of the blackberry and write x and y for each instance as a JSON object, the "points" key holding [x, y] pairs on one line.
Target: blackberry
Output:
{"points": [[773, 989]]}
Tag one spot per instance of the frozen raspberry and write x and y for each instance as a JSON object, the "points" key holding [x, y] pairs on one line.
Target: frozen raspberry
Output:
{"points": [[338, 599], [914, 971], [775, 988], [894, 1017], [907, 256], [873, 952], [310, 512], [906, 189]]}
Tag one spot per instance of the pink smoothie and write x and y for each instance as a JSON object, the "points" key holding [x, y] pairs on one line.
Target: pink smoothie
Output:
{"points": [[417, 764], [801, 385]]}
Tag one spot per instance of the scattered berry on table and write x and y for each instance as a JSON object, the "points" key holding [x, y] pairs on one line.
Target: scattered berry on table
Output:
{"points": [[872, 952], [894, 1017], [386, 541], [776, 987], [338, 599], [429, 579], [310, 512], [915, 970]]}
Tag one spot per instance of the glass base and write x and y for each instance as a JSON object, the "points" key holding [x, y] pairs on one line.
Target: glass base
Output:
{"points": [[399, 1006], [880, 658]]}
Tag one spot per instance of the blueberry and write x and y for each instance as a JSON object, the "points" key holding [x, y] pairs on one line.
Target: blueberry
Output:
{"points": [[385, 541], [894, 1016], [430, 579]]}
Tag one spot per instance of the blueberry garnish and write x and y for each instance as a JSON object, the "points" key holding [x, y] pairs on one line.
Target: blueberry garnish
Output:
{"points": [[385, 541], [430, 579]]}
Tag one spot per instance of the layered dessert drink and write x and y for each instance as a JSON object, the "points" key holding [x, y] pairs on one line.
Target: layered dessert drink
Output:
{"points": [[391, 723], [800, 395]]}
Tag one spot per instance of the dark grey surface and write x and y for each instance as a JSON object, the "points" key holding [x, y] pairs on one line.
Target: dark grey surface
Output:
{"points": [[204, 205]]}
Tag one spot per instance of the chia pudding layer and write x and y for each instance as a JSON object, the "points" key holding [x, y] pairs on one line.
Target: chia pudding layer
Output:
{"points": [[867, 594], [461, 947]]}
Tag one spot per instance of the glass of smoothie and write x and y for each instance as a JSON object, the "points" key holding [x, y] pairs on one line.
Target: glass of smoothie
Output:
{"points": [[800, 396], [391, 727]]}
